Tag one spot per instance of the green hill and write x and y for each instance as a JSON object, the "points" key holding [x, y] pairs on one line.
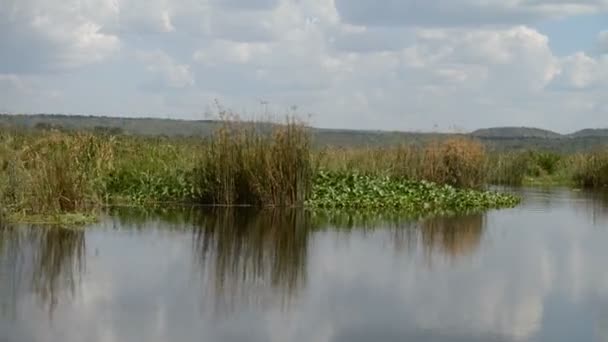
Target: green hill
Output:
{"points": [[515, 133], [497, 138], [590, 132]]}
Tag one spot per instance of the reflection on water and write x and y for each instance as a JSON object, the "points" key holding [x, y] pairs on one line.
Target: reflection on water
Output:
{"points": [[240, 252], [245, 257], [46, 261], [533, 273], [453, 236]]}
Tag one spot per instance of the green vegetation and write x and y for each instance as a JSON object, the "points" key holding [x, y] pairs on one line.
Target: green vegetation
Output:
{"points": [[499, 138], [529, 168], [585, 170], [66, 177], [353, 191], [591, 170], [242, 166], [57, 176], [456, 161]]}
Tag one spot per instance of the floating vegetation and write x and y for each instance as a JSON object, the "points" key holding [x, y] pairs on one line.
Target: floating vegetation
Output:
{"points": [[56, 177], [354, 191]]}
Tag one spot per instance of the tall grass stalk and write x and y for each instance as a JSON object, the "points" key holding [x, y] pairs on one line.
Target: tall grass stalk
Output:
{"points": [[459, 162], [242, 165], [53, 173], [591, 170]]}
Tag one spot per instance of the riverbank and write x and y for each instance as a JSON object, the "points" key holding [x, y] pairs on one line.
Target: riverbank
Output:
{"points": [[66, 177]]}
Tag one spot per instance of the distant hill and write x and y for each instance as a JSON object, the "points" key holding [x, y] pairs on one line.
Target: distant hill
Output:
{"points": [[497, 138], [200, 128], [515, 133], [589, 132]]}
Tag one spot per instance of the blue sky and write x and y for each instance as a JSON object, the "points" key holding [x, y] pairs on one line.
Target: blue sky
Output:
{"points": [[573, 34], [397, 65]]}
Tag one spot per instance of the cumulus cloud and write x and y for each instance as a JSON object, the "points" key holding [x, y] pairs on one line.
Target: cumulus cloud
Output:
{"points": [[38, 36], [401, 65], [582, 71], [172, 74], [247, 4]]}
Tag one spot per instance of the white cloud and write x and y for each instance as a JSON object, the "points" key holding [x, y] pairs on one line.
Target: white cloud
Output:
{"points": [[247, 4], [39, 36], [136, 16], [403, 65], [173, 74], [582, 71]]}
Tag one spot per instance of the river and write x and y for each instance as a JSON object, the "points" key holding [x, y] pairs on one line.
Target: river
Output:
{"points": [[533, 273]]}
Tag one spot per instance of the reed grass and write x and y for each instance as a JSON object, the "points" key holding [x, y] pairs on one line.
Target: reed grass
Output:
{"points": [[242, 165], [591, 170], [458, 162], [53, 173], [49, 173]]}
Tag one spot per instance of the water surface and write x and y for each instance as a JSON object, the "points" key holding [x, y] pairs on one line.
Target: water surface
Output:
{"points": [[534, 273]]}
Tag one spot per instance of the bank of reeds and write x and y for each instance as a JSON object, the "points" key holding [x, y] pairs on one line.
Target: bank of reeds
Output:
{"points": [[591, 169], [458, 162], [243, 166], [244, 163], [52, 172]]}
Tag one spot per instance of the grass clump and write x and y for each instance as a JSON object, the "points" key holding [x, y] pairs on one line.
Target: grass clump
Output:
{"points": [[458, 162], [591, 170], [242, 166], [52, 174], [354, 191], [152, 170], [61, 177], [529, 168]]}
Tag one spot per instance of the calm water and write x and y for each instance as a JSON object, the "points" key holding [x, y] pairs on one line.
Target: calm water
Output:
{"points": [[535, 273]]}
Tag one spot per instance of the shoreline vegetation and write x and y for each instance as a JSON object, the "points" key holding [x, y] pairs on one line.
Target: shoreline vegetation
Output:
{"points": [[53, 176]]}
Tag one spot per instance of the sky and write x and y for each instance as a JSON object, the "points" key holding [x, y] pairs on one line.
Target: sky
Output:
{"points": [[443, 65]]}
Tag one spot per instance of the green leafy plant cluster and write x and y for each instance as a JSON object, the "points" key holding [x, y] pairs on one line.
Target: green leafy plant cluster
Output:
{"points": [[49, 173], [333, 190]]}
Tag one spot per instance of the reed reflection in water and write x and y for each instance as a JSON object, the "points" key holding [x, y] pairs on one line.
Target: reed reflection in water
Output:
{"points": [[244, 254], [242, 257], [45, 261]]}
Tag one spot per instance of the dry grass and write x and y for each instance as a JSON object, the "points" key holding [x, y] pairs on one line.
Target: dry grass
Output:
{"points": [[53, 173], [242, 165], [459, 162], [591, 170]]}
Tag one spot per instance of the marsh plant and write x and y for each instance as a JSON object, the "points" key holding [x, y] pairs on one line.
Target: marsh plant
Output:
{"points": [[591, 169], [243, 165], [53, 173], [459, 162], [353, 191]]}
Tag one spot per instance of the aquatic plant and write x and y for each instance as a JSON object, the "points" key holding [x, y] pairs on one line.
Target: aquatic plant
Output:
{"points": [[339, 190], [458, 161], [45, 174], [242, 165], [53, 173], [591, 170]]}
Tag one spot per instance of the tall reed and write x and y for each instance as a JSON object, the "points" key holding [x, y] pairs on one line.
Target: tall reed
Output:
{"points": [[459, 162], [508, 168], [53, 173], [591, 170], [241, 164]]}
